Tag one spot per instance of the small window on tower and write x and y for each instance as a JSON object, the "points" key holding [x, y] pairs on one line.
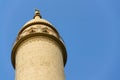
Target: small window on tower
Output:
{"points": [[45, 30], [31, 31]]}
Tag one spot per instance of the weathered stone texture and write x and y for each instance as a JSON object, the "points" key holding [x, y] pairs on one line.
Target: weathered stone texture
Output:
{"points": [[39, 58]]}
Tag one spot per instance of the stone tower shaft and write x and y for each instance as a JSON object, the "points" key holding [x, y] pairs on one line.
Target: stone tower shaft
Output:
{"points": [[39, 53]]}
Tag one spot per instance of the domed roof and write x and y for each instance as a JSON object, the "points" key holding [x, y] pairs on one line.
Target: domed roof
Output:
{"points": [[37, 19]]}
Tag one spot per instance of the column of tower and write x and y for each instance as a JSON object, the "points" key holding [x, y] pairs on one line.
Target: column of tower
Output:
{"points": [[38, 52]]}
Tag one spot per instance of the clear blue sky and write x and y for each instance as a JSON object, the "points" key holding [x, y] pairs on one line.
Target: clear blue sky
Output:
{"points": [[90, 29]]}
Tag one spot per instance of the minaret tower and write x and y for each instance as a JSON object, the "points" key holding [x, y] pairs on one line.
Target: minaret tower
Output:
{"points": [[39, 52]]}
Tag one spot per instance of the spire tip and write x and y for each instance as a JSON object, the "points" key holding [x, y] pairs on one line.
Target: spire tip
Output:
{"points": [[37, 13]]}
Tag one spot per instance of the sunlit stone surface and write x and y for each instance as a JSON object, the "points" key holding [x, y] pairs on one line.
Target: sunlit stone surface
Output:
{"points": [[39, 58]]}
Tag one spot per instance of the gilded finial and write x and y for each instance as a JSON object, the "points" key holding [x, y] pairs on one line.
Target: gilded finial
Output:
{"points": [[37, 13]]}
